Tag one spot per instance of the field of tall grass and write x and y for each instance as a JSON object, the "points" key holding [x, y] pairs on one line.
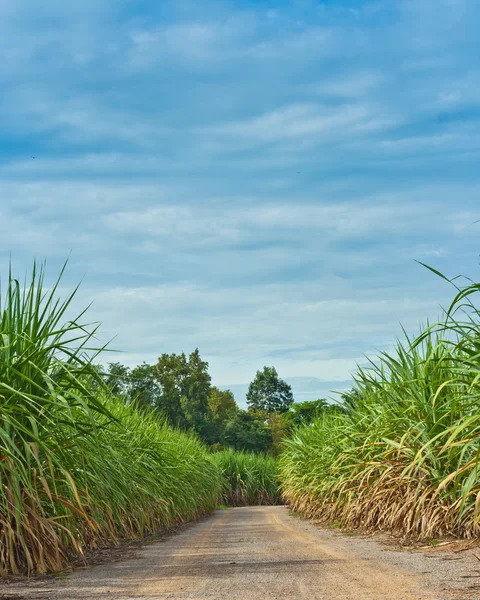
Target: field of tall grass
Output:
{"points": [[79, 469], [404, 456], [248, 479]]}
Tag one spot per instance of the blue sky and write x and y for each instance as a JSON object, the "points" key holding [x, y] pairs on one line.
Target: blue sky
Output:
{"points": [[252, 178]]}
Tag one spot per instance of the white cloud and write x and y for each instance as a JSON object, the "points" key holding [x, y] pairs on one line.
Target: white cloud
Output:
{"points": [[223, 224], [250, 181], [175, 318], [306, 120]]}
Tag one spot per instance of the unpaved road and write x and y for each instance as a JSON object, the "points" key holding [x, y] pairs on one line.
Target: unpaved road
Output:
{"points": [[264, 553]]}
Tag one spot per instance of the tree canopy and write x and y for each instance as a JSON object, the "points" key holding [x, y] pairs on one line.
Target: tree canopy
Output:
{"points": [[246, 431], [144, 388], [222, 404], [268, 392], [180, 388], [302, 413]]}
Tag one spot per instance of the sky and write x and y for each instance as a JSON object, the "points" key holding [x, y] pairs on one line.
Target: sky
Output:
{"points": [[257, 179]]}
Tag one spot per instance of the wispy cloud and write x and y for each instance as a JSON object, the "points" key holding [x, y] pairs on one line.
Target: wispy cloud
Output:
{"points": [[306, 121], [254, 181]]}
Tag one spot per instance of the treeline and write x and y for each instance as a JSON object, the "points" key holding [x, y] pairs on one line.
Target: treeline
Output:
{"points": [[179, 387]]}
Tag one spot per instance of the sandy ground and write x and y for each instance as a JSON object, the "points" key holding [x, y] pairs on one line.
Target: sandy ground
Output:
{"points": [[264, 553]]}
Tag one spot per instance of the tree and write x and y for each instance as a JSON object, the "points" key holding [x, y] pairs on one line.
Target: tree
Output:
{"points": [[117, 378], [246, 431], [279, 428], [144, 389], [222, 404], [170, 373], [268, 392], [222, 409], [180, 388], [196, 390], [185, 388], [302, 413]]}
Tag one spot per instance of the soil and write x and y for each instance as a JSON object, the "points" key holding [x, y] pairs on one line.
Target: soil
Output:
{"points": [[265, 553]]}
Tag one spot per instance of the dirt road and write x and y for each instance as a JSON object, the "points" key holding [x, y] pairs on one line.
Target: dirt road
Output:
{"points": [[262, 553]]}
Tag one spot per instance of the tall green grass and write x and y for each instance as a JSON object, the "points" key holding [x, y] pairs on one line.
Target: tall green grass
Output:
{"points": [[79, 469], [248, 479], [405, 455]]}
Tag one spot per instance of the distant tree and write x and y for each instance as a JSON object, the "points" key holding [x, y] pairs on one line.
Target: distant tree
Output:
{"points": [[267, 392], [180, 388], [302, 413], [246, 431], [185, 388], [144, 389], [222, 409], [279, 428], [117, 378], [170, 373], [222, 404], [196, 389], [95, 376]]}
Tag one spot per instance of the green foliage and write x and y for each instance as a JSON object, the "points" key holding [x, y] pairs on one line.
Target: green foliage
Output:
{"points": [[117, 378], [136, 385], [404, 454], [248, 479], [78, 467], [280, 428], [247, 431], [222, 404], [185, 386], [180, 390], [268, 393], [303, 413], [143, 388]]}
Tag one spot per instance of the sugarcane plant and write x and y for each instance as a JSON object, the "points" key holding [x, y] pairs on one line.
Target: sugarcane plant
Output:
{"points": [[79, 468], [403, 454]]}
